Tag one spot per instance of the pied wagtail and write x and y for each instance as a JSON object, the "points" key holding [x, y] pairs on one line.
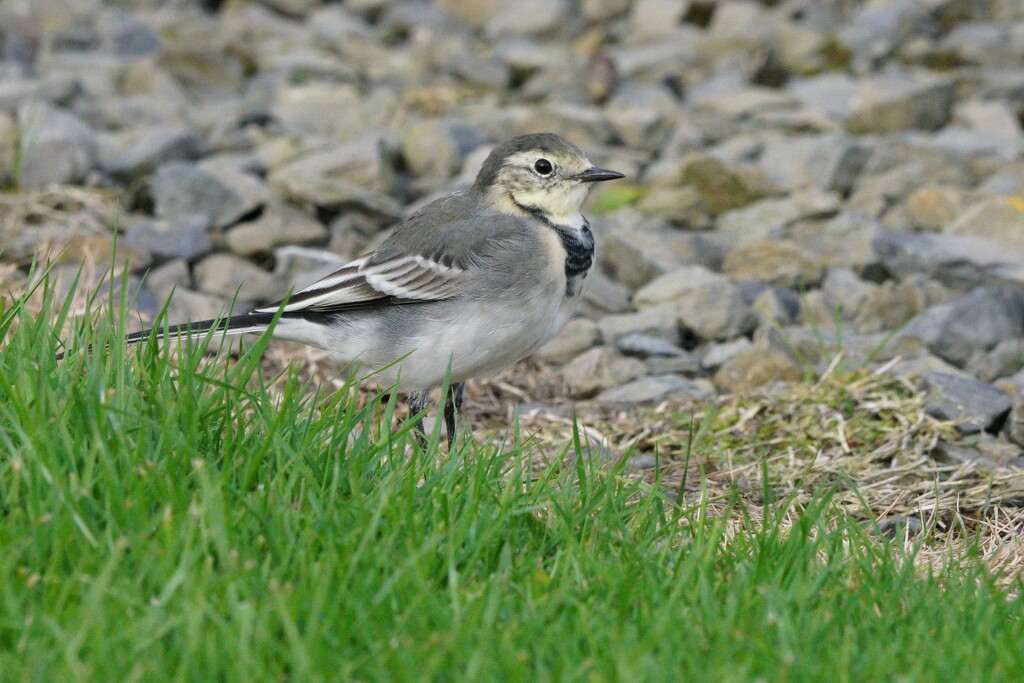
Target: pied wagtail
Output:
{"points": [[471, 283]]}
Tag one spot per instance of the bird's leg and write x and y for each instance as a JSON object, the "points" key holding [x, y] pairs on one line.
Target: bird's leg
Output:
{"points": [[452, 405], [418, 401]]}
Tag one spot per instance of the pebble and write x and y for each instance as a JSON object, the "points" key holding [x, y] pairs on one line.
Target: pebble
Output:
{"points": [[578, 335], [779, 262], [755, 368], [973, 405], [57, 147]]}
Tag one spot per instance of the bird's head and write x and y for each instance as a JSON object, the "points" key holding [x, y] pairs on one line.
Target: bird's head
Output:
{"points": [[539, 173]]}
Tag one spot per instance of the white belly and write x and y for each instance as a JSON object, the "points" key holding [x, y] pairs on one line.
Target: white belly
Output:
{"points": [[484, 339]]}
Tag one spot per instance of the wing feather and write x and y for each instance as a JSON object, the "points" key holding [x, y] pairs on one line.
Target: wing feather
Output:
{"points": [[402, 279]]}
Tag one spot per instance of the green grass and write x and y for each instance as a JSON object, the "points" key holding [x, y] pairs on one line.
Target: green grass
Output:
{"points": [[180, 520]]}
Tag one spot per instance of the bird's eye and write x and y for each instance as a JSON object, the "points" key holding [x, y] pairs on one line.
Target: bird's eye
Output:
{"points": [[543, 166]]}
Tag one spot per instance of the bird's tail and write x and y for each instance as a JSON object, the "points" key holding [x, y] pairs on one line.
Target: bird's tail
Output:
{"points": [[238, 324]]}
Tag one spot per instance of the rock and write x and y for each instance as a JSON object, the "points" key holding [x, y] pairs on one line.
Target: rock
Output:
{"points": [[8, 149], [339, 112], [961, 454], [994, 117], [959, 261], [974, 405], [640, 345], [190, 306], [999, 219], [889, 306], [1015, 425], [716, 355], [657, 388], [976, 321], [755, 368], [877, 29], [297, 267], [773, 306], [183, 236], [671, 286], [830, 92], [229, 276], [577, 336], [894, 103], [138, 153], [57, 147], [900, 527], [636, 254], [932, 208], [278, 225], [1004, 360], [716, 311], [184, 189], [721, 186], [779, 262], [657, 321], [438, 147], [598, 369], [603, 295], [845, 291], [829, 161], [602, 10], [165, 279], [651, 18], [768, 218], [527, 17], [681, 206]]}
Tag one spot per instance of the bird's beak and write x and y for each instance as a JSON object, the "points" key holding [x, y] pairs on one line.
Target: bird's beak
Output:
{"points": [[595, 174]]}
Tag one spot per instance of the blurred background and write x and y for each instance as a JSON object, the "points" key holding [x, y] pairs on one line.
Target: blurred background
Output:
{"points": [[805, 177]]}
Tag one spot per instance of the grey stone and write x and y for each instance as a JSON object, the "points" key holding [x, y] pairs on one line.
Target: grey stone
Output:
{"points": [[657, 321], [723, 186], [649, 18], [973, 405], [229, 276], [642, 345], [577, 336], [681, 206], [754, 368], [182, 236], [830, 92], [893, 103], [776, 306], [164, 279], [8, 149], [995, 117], [959, 261], [140, 152], [889, 306], [830, 161], [601, 10], [877, 29], [57, 147], [716, 355], [1004, 360], [636, 254], [278, 225], [527, 17], [768, 218], [1000, 219], [603, 295], [845, 291], [780, 262], [437, 147], [1015, 423], [900, 527], [189, 306], [932, 208], [126, 36], [976, 321], [716, 311], [657, 388], [181, 189], [600, 368], [961, 454], [673, 285]]}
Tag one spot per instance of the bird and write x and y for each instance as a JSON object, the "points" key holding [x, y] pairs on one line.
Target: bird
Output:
{"points": [[463, 288]]}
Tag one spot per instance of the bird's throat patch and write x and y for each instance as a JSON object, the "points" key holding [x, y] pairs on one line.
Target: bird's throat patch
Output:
{"points": [[579, 255]]}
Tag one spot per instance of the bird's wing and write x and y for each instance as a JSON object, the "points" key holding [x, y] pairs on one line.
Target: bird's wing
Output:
{"points": [[371, 282]]}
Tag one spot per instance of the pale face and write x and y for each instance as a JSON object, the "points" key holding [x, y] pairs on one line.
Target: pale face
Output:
{"points": [[547, 182]]}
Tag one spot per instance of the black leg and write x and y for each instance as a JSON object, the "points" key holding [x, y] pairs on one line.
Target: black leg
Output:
{"points": [[418, 401], [452, 405]]}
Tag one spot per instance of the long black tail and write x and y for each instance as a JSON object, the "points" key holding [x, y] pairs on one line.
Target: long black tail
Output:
{"points": [[238, 324]]}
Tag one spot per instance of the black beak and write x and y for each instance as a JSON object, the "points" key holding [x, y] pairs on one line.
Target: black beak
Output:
{"points": [[595, 174]]}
